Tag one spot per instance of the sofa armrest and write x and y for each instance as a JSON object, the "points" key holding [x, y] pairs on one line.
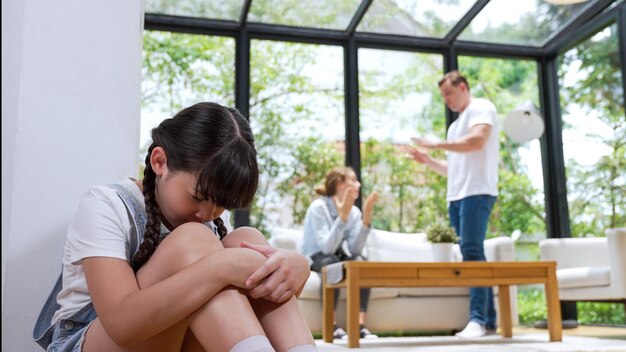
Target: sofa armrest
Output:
{"points": [[575, 252], [283, 241], [616, 239], [286, 238], [500, 249]]}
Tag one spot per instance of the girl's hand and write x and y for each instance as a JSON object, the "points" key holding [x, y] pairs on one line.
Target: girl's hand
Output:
{"points": [[344, 205], [283, 274], [368, 208]]}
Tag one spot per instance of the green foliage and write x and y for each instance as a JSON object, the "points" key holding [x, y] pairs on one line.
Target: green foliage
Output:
{"points": [[532, 308], [601, 313], [596, 193], [441, 232], [312, 159], [531, 305]]}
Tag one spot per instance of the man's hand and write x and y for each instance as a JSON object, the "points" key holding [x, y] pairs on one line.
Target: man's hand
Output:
{"points": [[283, 274], [415, 154], [424, 142]]}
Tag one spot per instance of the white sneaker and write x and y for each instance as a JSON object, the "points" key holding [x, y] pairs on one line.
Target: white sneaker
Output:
{"points": [[472, 330]]}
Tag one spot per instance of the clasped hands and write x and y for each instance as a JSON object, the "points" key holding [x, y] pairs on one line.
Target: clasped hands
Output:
{"points": [[345, 202], [281, 276]]}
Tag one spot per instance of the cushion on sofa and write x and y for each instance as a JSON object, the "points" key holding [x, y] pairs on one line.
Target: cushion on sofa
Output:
{"points": [[583, 276], [402, 247], [502, 249]]}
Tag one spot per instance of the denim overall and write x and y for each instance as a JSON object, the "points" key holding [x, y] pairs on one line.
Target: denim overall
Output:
{"points": [[44, 333]]}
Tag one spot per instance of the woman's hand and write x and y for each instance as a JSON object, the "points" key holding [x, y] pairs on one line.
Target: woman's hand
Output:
{"points": [[344, 205], [368, 208], [283, 274]]}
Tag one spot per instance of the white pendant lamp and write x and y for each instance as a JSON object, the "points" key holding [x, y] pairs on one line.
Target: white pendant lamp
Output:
{"points": [[523, 123]]}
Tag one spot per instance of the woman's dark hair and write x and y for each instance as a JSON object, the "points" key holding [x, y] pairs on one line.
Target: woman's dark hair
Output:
{"points": [[216, 144], [333, 177]]}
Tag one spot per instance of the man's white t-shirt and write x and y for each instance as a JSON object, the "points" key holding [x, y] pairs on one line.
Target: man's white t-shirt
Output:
{"points": [[100, 228], [476, 172]]}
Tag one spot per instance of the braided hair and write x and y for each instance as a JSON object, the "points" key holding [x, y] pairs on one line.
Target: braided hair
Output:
{"points": [[216, 144]]}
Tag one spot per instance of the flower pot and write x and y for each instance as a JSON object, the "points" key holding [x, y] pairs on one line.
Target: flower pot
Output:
{"points": [[442, 252]]}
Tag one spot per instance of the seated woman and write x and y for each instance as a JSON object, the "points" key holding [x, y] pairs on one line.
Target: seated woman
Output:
{"points": [[335, 230]]}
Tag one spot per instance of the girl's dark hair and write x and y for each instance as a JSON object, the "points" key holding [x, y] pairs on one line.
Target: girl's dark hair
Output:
{"points": [[333, 177], [215, 143]]}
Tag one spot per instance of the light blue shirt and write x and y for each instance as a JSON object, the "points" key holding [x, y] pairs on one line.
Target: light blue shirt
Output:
{"points": [[325, 231]]}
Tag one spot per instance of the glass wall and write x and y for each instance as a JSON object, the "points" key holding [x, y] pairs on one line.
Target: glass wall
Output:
{"points": [[297, 116], [180, 70], [594, 134], [399, 99]]}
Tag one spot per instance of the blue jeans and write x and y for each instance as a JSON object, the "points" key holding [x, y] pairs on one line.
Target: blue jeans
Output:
{"points": [[469, 217]]}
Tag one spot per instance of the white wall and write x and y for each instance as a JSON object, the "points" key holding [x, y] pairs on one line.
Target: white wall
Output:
{"points": [[71, 87]]}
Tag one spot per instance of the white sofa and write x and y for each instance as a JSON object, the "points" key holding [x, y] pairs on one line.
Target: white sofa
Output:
{"points": [[589, 269], [390, 309]]}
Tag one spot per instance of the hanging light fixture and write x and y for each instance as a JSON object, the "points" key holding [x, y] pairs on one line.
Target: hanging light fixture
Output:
{"points": [[523, 123]]}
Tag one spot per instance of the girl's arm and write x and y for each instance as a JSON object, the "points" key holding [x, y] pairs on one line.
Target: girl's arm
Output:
{"points": [[130, 314], [283, 275]]}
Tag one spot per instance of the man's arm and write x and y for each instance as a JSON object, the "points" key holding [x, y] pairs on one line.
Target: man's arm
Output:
{"points": [[472, 141], [437, 165]]}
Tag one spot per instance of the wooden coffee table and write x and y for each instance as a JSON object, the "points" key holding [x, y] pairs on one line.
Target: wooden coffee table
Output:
{"points": [[415, 274]]}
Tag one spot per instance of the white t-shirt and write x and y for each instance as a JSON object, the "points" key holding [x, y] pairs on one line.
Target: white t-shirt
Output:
{"points": [[100, 228], [476, 172]]}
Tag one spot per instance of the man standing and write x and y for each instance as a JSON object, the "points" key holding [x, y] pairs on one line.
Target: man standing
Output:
{"points": [[472, 170]]}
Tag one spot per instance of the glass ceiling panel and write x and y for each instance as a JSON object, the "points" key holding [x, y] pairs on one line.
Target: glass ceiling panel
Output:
{"points": [[221, 10], [327, 14], [528, 22], [422, 18]]}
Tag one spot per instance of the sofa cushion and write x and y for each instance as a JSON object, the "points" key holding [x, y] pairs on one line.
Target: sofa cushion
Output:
{"points": [[500, 249], [583, 276], [396, 247], [402, 247]]}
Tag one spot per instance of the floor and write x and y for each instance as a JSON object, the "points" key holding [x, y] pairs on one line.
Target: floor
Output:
{"points": [[525, 339]]}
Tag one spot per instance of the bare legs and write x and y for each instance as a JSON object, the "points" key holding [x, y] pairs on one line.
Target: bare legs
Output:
{"points": [[226, 318], [283, 323]]}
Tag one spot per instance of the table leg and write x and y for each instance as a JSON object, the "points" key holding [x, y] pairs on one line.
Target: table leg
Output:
{"points": [[504, 299], [328, 309], [554, 307], [352, 306]]}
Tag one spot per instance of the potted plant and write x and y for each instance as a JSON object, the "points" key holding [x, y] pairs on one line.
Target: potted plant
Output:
{"points": [[442, 238]]}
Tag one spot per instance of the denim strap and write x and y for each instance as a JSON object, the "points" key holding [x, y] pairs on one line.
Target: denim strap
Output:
{"points": [[42, 333]]}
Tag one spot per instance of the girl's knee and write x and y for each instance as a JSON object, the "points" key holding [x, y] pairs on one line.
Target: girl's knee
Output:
{"points": [[245, 233], [191, 240]]}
